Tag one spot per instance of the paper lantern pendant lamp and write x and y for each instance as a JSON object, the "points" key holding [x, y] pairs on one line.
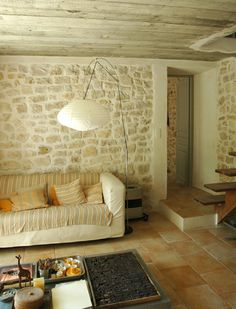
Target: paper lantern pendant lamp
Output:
{"points": [[83, 115]]}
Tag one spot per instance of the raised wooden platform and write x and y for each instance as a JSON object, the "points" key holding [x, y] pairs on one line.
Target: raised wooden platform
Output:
{"points": [[221, 187], [226, 171]]}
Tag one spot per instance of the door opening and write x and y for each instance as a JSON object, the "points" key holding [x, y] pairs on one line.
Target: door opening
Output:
{"points": [[179, 122]]}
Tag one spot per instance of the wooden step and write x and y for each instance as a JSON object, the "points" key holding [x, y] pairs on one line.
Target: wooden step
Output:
{"points": [[226, 171], [210, 199], [232, 153], [221, 187]]}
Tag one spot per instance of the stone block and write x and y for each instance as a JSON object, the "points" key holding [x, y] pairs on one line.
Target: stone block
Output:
{"points": [[53, 139], [89, 151], [42, 161], [22, 108], [5, 107], [36, 108], [56, 70], [44, 150], [39, 70]]}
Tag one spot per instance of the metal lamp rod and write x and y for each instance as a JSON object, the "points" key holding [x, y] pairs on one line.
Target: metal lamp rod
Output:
{"points": [[123, 126]]}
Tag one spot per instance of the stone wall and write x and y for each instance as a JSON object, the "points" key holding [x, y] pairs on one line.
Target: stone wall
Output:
{"points": [[171, 129], [227, 114], [31, 139]]}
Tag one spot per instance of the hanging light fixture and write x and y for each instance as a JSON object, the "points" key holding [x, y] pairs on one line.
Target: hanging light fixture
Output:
{"points": [[85, 115]]}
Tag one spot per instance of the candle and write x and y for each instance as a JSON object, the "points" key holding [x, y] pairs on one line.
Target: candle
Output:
{"points": [[38, 283]]}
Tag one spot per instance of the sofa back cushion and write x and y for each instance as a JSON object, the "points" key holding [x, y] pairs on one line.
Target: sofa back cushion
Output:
{"points": [[29, 199], [93, 193], [70, 194], [12, 183]]}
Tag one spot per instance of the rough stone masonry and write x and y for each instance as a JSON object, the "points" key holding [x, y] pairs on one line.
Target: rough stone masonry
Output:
{"points": [[31, 139]]}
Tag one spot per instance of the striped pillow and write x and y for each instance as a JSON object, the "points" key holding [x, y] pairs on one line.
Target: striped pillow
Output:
{"points": [[93, 193], [70, 193], [30, 199]]}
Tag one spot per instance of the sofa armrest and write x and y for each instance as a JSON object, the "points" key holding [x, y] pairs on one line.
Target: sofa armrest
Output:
{"points": [[113, 193]]}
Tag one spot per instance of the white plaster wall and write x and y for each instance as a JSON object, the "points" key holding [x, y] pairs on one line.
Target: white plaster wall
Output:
{"points": [[205, 128], [159, 155]]}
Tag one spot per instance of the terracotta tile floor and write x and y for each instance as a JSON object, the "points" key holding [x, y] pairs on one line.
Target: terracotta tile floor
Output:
{"points": [[196, 268]]}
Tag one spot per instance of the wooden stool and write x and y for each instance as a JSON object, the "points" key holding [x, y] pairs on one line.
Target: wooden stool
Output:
{"points": [[28, 298]]}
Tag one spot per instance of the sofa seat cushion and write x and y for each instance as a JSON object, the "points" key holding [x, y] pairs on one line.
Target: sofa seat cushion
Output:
{"points": [[54, 217]]}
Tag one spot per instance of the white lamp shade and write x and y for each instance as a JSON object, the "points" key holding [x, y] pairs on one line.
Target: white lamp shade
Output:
{"points": [[83, 115]]}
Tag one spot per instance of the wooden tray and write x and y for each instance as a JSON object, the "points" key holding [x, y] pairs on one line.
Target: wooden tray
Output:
{"points": [[8, 274], [65, 278]]}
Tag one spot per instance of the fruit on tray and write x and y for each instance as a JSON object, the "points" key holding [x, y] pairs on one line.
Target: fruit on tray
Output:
{"points": [[73, 271], [66, 267]]}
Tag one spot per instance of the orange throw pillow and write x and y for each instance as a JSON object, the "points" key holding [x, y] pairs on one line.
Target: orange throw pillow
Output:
{"points": [[5, 205], [53, 196]]}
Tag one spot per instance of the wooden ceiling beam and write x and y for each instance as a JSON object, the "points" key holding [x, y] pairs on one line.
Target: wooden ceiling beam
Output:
{"points": [[161, 54], [63, 23], [227, 5], [85, 42], [94, 34]]}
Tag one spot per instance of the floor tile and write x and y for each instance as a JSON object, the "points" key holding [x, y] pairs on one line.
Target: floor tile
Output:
{"points": [[155, 272], [172, 236], [33, 254], [230, 263], [202, 262], [155, 245], [173, 296], [222, 231], [202, 237], [69, 250], [168, 259], [220, 250], [201, 296], [182, 277], [185, 247], [162, 225], [8, 256], [145, 254], [221, 281], [230, 299]]}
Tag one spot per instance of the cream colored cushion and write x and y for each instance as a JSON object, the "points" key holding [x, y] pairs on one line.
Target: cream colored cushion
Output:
{"points": [[28, 199], [93, 193], [70, 193]]}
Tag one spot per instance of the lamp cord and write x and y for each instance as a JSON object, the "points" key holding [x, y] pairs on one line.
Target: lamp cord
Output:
{"points": [[97, 62]]}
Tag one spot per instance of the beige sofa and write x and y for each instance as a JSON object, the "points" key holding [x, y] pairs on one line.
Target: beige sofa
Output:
{"points": [[61, 224]]}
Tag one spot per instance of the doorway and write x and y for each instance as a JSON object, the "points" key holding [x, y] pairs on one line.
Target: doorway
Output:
{"points": [[179, 130]]}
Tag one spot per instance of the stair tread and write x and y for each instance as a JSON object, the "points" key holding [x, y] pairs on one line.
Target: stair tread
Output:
{"points": [[221, 187], [232, 153], [210, 199], [226, 171]]}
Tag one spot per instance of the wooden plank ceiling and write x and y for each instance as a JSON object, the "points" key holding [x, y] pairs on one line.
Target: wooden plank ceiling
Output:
{"points": [[113, 28]]}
